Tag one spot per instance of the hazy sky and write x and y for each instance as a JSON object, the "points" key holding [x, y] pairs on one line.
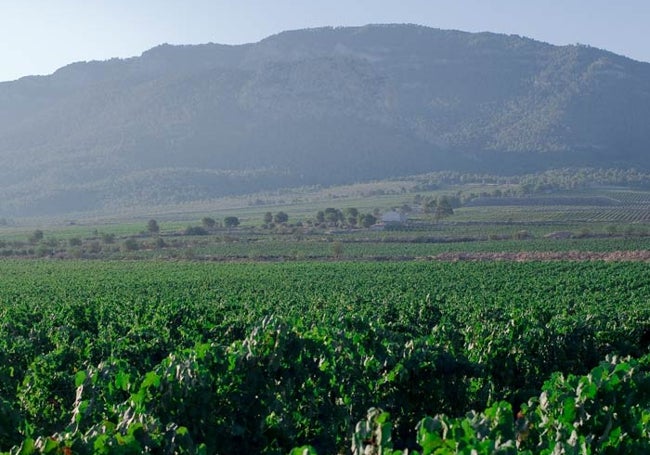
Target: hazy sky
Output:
{"points": [[39, 36]]}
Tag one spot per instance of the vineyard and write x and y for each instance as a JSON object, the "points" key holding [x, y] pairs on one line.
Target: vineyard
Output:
{"points": [[314, 357]]}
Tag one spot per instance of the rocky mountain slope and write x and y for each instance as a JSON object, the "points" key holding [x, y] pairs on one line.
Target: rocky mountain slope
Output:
{"points": [[321, 106]]}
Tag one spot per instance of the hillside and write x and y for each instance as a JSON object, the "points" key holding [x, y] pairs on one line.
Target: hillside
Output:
{"points": [[321, 106]]}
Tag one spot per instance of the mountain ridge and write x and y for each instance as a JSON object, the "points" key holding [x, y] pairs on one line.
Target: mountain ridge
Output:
{"points": [[316, 106]]}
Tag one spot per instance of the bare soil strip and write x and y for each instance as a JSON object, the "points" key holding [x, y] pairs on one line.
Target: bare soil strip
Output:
{"points": [[524, 256]]}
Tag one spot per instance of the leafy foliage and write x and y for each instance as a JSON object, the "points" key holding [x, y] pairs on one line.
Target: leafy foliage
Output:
{"points": [[605, 411], [205, 358]]}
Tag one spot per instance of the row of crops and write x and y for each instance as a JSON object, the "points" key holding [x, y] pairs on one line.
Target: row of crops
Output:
{"points": [[401, 245], [127, 357], [557, 214]]}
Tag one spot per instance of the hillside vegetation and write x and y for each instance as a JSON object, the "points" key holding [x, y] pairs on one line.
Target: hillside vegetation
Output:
{"points": [[322, 106]]}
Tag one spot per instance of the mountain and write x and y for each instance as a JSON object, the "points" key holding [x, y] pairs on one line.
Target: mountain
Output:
{"points": [[319, 106]]}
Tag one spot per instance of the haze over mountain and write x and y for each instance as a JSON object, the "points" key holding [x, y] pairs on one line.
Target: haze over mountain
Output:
{"points": [[319, 106]]}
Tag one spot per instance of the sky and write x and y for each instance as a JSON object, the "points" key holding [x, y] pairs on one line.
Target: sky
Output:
{"points": [[40, 36]]}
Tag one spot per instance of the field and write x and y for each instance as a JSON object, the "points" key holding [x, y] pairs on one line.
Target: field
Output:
{"points": [[260, 358], [592, 210], [518, 322]]}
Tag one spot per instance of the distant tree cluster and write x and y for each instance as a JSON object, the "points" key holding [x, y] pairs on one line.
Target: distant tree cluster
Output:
{"points": [[441, 206], [195, 230], [349, 217], [271, 220], [208, 224], [521, 185]]}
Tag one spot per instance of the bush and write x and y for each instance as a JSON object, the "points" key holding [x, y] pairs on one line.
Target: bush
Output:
{"points": [[108, 238], [94, 247], [195, 230], [208, 222], [75, 241], [43, 250], [522, 235], [152, 227], [130, 245], [36, 236]]}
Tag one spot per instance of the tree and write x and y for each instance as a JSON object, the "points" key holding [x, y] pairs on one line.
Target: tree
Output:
{"points": [[152, 227], [130, 244], [352, 215], [281, 217], [320, 216], [430, 206], [332, 215], [268, 218], [36, 236], [367, 220], [231, 221], [443, 208], [208, 222]]}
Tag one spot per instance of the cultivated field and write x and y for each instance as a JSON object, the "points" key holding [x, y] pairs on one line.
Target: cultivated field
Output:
{"points": [[223, 358], [516, 324]]}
